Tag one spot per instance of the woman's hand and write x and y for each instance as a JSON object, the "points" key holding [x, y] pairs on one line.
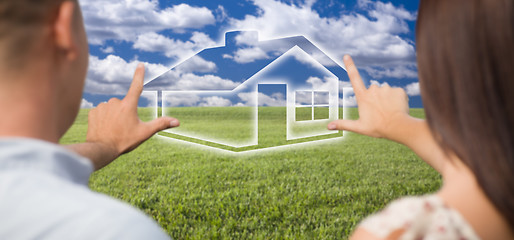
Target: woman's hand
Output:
{"points": [[384, 112], [381, 109]]}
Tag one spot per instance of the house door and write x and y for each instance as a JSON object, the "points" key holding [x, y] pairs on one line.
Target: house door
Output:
{"points": [[272, 114]]}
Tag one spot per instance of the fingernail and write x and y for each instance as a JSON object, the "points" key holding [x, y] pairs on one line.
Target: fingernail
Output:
{"points": [[174, 123], [346, 57], [331, 126], [140, 65]]}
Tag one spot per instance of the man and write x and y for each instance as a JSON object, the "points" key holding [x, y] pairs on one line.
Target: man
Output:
{"points": [[43, 186]]}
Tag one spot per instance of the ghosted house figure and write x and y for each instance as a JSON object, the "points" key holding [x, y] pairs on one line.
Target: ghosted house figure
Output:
{"points": [[291, 74]]}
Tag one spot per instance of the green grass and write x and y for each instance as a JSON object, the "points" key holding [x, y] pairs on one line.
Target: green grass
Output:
{"points": [[221, 123], [318, 191], [232, 128]]}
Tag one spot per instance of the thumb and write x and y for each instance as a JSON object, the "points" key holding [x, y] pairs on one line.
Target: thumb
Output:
{"points": [[349, 125], [160, 124]]}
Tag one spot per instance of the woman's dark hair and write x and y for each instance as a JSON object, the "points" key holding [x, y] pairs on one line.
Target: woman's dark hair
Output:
{"points": [[465, 51]]}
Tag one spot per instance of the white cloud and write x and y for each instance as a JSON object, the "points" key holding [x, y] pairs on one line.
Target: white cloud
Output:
{"points": [[317, 60], [249, 98], [195, 74], [373, 41], [303, 97], [349, 99], [343, 85], [221, 14], [363, 3], [153, 42], [182, 99], [126, 19], [248, 38], [321, 97], [389, 9], [149, 97], [193, 100], [248, 55], [239, 104], [215, 101], [401, 71], [113, 75], [275, 100], [197, 64], [86, 104], [108, 49], [191, 81], [412, 89], [322, 84]]}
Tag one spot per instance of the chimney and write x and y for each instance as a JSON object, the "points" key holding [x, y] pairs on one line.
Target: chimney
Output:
{"points": [[241, 38]]}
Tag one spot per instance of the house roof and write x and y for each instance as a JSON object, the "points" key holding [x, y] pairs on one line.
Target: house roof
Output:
{"points": [[242, 57]]}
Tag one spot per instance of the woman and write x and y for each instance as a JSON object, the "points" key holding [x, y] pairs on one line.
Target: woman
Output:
{"points": [[465, 56]]}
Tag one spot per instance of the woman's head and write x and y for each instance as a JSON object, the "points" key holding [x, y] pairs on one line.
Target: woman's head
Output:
{"points": [[465, 54]]}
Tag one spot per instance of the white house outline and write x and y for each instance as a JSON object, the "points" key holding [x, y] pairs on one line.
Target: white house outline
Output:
{"points": [[290, 106], [291, 101], [252, 142]]}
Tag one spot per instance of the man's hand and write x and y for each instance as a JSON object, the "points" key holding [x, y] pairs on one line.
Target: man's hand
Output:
{"points": [[115, 128], [381, 109]]}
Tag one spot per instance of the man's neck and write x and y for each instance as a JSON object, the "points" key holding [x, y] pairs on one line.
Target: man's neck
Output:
{"points": [[27, 110]]}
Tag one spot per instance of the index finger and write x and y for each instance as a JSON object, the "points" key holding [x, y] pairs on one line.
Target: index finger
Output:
{"points": [[136, 87], [355, 78]]}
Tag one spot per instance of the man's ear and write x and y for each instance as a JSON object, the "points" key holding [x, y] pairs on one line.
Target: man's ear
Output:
{"points": [[63, 29]]}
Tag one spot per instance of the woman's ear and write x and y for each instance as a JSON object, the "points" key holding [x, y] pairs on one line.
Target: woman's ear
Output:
{"points": [[62, 28]]}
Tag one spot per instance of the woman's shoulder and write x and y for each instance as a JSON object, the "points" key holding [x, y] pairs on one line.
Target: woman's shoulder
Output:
{"points": [[423, 217]]}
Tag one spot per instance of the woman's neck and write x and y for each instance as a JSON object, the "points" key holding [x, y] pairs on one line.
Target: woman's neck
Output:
{"points": [[462, 192]]}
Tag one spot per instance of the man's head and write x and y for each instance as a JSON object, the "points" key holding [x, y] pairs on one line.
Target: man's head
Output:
{"points": [[43, 56]]}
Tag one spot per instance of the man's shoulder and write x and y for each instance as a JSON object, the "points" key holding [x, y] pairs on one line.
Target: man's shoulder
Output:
{"points": [[48, 205], [112, 218]]}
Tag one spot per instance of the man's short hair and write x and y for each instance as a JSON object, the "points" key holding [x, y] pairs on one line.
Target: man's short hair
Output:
{"points": [[20, 23]]}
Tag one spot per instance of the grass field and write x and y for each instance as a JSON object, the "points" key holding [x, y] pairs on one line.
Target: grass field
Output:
{"points": [[318, 191], [215, 125]]}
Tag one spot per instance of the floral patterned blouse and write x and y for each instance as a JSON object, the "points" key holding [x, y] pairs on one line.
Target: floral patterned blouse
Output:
{"points": [[425, 217]]}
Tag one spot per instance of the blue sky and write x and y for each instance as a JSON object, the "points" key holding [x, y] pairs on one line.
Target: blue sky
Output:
{"points": [[161, 34]]}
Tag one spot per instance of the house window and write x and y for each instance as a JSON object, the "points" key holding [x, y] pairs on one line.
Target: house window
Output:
{"points": [[312, 105]]}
